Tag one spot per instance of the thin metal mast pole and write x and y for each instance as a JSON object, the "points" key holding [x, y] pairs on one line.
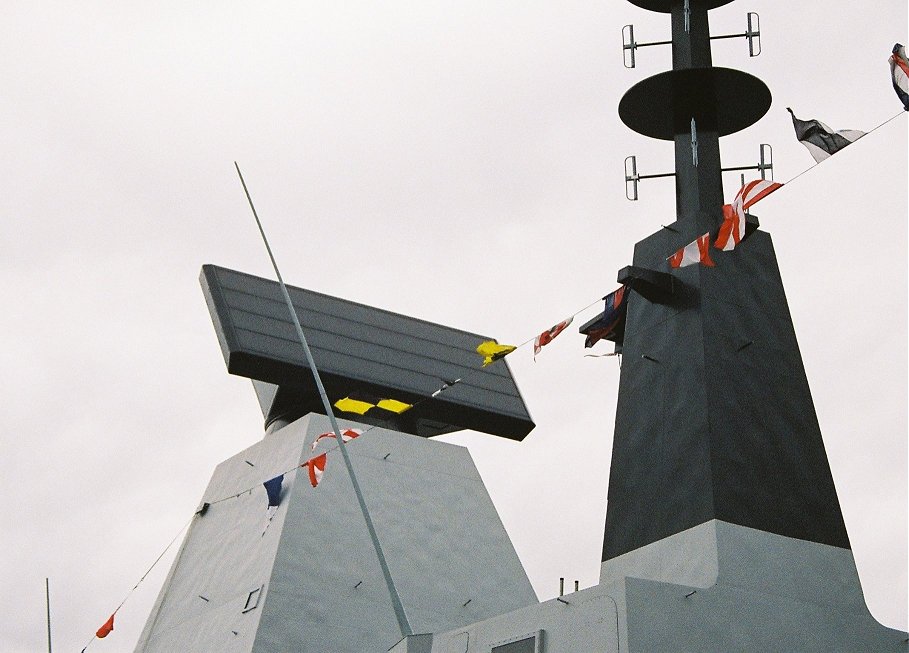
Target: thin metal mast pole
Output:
{"points": [[47, 597], [392, 590]]}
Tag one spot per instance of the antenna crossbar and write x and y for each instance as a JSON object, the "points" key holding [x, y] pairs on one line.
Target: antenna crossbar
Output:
{"points": [[764, 165], [752, 33]]}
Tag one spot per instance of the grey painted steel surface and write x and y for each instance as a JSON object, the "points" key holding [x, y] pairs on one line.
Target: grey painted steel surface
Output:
{"points": [[717, 587], [770, 593], [585, 623], [319, 582], [360, 348], [717, 421], [226, 554], [413, 644]]}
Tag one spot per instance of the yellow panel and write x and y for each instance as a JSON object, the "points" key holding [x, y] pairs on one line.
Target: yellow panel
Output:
{"points": [[394, 405], [349, 405]]}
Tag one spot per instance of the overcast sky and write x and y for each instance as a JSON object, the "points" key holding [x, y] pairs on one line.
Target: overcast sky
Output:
{"points": [[458, 162]]}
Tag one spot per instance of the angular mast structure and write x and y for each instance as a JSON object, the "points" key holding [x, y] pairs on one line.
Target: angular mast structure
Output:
{"points": [[715, 418]]}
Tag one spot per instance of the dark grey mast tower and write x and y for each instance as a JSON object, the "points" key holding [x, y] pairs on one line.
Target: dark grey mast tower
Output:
{"points": [[715, 419], [723, 530]]}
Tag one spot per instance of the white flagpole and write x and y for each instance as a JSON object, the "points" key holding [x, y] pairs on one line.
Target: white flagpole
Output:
{"points": [[395, 599]]}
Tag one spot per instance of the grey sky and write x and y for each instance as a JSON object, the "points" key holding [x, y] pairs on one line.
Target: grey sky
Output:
{"points": [[461, 164]]}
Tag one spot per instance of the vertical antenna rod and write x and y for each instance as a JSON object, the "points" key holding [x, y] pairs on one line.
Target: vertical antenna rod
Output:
{"points": [[47, 597], [395, 599]]}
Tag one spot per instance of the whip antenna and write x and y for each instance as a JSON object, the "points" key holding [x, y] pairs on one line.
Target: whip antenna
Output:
{"points": [[395, 599]]}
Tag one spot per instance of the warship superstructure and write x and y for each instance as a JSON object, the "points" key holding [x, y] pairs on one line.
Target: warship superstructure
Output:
{"points": [[723, 530]]}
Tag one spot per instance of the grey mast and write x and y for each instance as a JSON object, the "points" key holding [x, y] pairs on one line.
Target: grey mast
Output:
{"points": [[715, 418]]}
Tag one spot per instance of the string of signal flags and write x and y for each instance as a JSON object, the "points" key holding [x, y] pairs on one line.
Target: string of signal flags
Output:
{"points": [[821, 142]]}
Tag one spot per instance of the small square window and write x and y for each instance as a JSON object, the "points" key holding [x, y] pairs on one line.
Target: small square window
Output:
{"points": [[521, 644]]}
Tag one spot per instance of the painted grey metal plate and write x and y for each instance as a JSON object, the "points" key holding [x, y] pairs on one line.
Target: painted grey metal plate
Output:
{"points": [[316, 578], [361, 349]]}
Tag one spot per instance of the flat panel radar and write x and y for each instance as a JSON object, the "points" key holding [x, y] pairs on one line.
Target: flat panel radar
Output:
{"points": [[360, 351]]}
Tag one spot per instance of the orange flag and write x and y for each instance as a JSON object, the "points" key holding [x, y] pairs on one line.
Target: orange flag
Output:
{"points": [[106, 629]]}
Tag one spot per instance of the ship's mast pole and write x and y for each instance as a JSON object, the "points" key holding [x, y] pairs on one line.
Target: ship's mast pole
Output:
{"points": [[401, 616]]}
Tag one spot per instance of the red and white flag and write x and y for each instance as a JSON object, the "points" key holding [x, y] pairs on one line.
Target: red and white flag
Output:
{"points": [[732, 231], [547, 336], [346, 435], [754, 191], [316, 465], [697, 251]]}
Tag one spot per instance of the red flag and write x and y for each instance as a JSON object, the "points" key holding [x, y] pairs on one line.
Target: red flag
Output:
{"points": [[697, 251], [316, 468], [106, 629], [547, 336]]}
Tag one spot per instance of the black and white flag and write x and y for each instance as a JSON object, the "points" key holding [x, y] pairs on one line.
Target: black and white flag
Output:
{"points": [[820, 140], [899, 73]]}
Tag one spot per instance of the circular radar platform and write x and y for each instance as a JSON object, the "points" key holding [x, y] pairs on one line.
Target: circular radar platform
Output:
{"points": [[665, 6], [719, 99]]}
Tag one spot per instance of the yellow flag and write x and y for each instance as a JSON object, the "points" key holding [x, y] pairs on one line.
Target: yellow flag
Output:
{"points": [[349, 405], [492, 351], [394, 405], [362, 405]]}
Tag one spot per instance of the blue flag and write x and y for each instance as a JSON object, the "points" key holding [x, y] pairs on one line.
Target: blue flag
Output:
{"points": [[611, 321], [273, 488]]}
